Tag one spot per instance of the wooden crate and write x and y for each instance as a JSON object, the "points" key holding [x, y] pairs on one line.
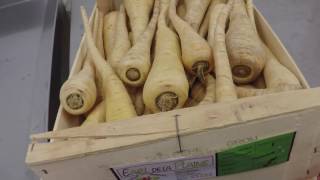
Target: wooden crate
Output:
{"points": [[187, 134]]}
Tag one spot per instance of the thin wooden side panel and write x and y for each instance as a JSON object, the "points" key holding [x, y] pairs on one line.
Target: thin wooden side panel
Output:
{"points": [[97, 166], [162, 125], [226, 122], [298, 165], [315, 163]]}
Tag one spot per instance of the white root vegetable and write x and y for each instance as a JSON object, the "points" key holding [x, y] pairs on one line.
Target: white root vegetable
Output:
{"points": [[117, 100], [196, 52], [121, 43], [96, 115], [225, 89], [135, 65], [276, 75], [213, 21], [248, 86], [197, 93], [78, 94], [138, 103], [278, 79], [246, 53], [195, 11], [181, 10], [109, 29], [202, 94], [260, 83], [210, 96], [166, 87], [147, 111], [138, 12], [99, 35], [203, 31], [250, 11], [248, 92]]}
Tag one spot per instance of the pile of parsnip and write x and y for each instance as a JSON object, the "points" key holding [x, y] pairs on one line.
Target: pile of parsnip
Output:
{"points": [[152, 56]]}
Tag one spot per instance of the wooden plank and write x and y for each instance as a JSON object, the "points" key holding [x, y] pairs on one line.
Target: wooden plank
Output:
{"points": [[315, 162], [304, 122], [126, 128], [160, 126]]}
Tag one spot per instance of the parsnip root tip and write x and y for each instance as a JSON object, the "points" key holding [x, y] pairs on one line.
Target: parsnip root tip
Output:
{"points": [[200, 68], [133, 74], [167, 101], [75, 101]]}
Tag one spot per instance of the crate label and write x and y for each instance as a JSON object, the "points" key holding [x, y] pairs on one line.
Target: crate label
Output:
{"points": [[255, 155], [176, 169]]}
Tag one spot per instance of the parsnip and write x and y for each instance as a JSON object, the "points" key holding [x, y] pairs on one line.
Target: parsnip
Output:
{"points": [[104, 6], [99, 35], [278, 78], [132, 91], [136, 98], [225, 89], [138, 12], [121, 44], [213, 20], [135, 65], [189, 103], [95, 25], [109, 29], [166, 87], [250, 11], [181, 10], [96, 115], [196, 52], [203, 31], [247, 55], [138, 103], [191, 79], [248, 92], [131, 37], [248, 86], [260, 83], [197, 94], [202, 94], [117, 100], [147, 111], [210, 96], [277, 75], [78, 94], [195, 11]]}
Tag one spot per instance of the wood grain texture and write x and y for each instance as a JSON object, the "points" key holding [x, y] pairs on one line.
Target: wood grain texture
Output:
{"points": [[147, 140], [110, 136]]}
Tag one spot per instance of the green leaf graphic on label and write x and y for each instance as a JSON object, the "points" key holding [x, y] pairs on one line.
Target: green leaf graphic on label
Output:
{"points": [[255, 155]]}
